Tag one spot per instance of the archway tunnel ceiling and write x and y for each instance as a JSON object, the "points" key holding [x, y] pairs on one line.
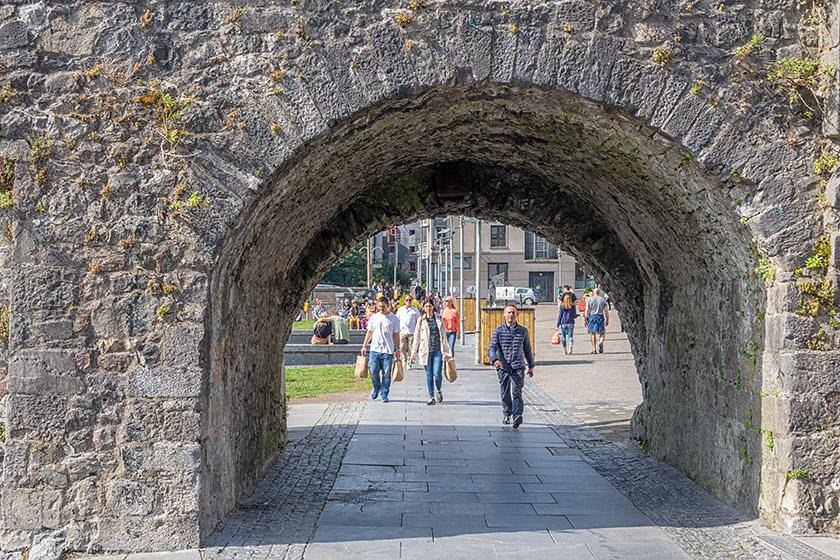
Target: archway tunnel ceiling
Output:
{"points": [[603, 184], [625, 131]]}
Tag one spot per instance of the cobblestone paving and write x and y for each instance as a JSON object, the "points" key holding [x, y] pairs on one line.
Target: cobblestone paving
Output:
{"points": [[280, 515], [611, 420], [689, 515]]}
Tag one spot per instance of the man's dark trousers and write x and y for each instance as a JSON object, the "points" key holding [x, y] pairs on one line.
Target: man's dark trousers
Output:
{"points": [[511, 383]]}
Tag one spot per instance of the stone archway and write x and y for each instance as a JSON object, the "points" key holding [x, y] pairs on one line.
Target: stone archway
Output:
{"points": [[146, 374]]}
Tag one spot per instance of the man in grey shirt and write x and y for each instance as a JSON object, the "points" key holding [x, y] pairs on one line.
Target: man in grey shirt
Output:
{"points": [[598, 317]]}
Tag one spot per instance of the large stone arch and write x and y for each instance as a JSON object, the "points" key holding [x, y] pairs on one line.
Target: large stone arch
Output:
{"points": [[145, 372]]}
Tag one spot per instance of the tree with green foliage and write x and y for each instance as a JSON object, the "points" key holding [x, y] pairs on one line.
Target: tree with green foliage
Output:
{"points": [[350, 270]]}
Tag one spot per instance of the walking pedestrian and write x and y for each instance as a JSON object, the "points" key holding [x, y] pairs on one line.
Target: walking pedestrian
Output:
{"points": [[408, 315], [509, 351], [383, 334], [451, 321], [566, 323], [431, 346], [598, 318]]}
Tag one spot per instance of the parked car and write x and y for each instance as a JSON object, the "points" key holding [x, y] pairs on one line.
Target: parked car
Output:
{"points": [[526, 296]]}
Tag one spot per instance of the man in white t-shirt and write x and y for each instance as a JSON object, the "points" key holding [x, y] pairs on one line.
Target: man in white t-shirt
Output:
{"points": [[383, 334], [408, 316]]}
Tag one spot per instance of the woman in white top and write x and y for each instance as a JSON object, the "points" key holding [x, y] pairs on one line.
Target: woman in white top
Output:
{"points": [[431, 346]]}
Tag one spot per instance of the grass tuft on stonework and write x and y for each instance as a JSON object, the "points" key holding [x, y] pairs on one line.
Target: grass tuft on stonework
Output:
{"points": [[311, 382], [305, 325]]}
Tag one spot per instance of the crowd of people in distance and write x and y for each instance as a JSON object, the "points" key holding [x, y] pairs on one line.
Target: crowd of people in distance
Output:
{"points": [[423, 327]]}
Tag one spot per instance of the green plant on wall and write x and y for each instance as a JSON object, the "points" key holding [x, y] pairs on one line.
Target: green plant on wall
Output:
{"points": [[804, 80], [752, 47], [765, 270], [822, 254]]}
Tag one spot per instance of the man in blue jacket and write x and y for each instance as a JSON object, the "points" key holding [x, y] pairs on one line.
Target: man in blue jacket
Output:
{"points": [[510, 350]]}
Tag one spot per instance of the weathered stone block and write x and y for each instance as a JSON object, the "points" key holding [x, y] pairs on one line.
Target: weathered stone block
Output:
{"points": [[479, 46], [832, 191], [13, 34], [28, 508], [44, 372], [130, 498], [36, 416], [181, 345], [143, 533], [182, 426], [788, 331], [810, 372], [580, 15], [86, 498], [167, 457], [164, 382]]}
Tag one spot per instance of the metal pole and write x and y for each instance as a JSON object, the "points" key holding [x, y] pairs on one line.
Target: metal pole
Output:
{"points": [[439, 271], [477, 266], [368, 263], [445, 269], [461, 278], [396, 260], [451, 256], [429, 247], [559, 270]]}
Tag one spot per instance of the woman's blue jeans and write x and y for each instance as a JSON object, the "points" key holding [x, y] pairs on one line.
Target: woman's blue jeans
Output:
{"points": [[450, 337], [433, 372], [567, 330]]}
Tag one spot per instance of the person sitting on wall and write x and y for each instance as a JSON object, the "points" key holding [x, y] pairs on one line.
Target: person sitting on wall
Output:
{"points": [[323, 330], [354, 318], [340, 330], [346, 310], [318, 309]]}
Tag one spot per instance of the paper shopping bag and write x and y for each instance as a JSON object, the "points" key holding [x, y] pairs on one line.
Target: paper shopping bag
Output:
{"points": [[449, 370], [361, 367], [397, 372]]}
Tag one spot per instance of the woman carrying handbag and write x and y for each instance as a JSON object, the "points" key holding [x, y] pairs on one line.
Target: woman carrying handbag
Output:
{"points": [[431, 346]]}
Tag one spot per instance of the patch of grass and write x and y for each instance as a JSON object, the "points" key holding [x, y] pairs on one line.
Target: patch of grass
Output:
{"points": [[311, 382], [305, 325]]}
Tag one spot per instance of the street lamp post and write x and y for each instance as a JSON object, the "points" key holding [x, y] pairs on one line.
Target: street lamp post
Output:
{"points": [[461, 279]]}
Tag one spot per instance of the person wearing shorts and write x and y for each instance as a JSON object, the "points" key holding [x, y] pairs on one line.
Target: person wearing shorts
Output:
{"points": [[597, 316]]}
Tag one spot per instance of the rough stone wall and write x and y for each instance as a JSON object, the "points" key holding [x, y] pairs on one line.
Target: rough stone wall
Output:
{"points": [[184, 173]]}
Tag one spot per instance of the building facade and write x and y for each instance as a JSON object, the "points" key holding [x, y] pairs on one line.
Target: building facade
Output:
{"points": [[509, 255]]}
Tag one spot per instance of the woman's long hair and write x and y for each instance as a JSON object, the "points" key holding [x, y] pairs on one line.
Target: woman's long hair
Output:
{"points": [[567, 301]]}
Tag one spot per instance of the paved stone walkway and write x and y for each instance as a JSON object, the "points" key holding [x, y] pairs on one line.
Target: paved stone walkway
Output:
{"points": [[407, 480], [449, 481]]}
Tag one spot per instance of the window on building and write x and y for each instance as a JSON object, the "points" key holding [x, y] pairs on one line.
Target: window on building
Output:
{"points": [[411, 249], [582, 279], [411, 232], [494, 269], [537, 247], [391, 248], [467, 262], [412, 267], [498, 236]]}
